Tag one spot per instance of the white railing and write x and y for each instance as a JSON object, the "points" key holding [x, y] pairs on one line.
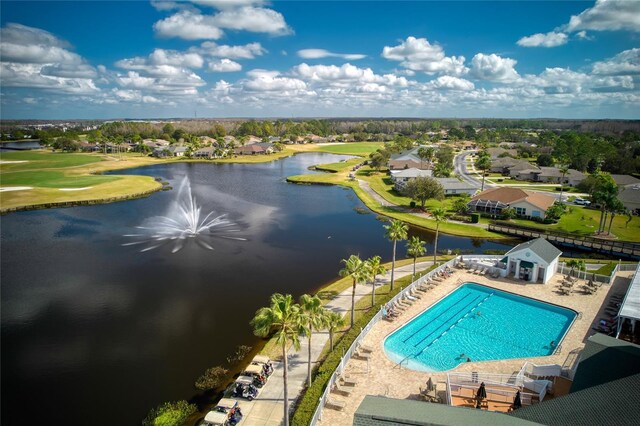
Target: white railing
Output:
{"points": [[349, 353]]}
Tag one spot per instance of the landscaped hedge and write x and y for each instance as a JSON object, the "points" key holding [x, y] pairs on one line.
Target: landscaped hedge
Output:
{"points": [[308, 402], [475, 218]]}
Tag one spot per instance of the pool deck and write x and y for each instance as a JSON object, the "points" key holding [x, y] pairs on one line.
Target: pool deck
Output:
{"points": [[381, 376]]}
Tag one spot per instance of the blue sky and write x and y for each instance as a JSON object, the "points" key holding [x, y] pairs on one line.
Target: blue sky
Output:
{"points": [[252, 58]]}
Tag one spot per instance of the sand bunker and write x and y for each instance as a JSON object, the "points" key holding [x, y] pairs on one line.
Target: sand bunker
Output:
{"points": [[75, 189], [12, 161], [15, 188]]}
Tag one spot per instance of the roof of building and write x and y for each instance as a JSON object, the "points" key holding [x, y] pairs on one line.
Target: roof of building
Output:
{"points": [[630, 307], [495, 152], [509, 162], [605, 389], [555, 172], [623, 180], [411, 173], [453, 183], [630, 193], [541, 247], [388, 411], [509, 196]]}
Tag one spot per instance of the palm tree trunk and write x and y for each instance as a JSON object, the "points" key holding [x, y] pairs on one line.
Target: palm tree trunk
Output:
{"points": [[331, 340], [284, 379], [601, 219], [482, 189], [353, 301], [373, 292], [413, 277], [604, 222], [393, 264], [309, 363], [435, 245], [610, 223]]}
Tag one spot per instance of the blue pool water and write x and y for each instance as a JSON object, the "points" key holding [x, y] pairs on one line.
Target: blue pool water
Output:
{"points": [[482, 323]]}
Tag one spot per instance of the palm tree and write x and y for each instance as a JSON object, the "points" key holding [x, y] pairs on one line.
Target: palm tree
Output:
{"points": [[483, 163], [396, 230], [415, 249], [282, 317], [616, 208], [374, 268], [353, 267], [576, 263], [312, 317], [439, 215], [564, 170], [334, 322]]}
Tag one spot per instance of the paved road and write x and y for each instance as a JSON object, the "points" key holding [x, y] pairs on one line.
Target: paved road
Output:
{"points": [[267, 409]]}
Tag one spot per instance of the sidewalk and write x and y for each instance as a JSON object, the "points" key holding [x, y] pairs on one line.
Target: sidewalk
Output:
{"points": [[267, 409]]}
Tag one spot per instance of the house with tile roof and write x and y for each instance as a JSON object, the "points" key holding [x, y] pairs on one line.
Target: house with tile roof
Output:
{"points": [[527, 204], [629, 195]]}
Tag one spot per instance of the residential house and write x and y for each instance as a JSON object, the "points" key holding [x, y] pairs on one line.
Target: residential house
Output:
{"points": [[498, 152], [206, 152], [629, 195], [155, 143], [554, 175], [170, 151], [401, 177], [410, 159], [527, 204], [207, 141], [254, 149], [624, 180], [90, 147], [534, 261], [504, 164], [453, 186]]}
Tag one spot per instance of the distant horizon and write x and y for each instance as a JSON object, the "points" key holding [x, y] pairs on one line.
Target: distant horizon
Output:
{"points": [[258, 58]]}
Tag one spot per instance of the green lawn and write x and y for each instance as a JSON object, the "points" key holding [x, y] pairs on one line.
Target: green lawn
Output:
{"points": [[46, 179], [582, 221], [41, 159], [362, 149], [338, 167]]}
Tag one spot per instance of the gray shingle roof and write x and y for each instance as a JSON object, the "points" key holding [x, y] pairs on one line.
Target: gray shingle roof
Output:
{"points": [[379, 410], [543, 248]]}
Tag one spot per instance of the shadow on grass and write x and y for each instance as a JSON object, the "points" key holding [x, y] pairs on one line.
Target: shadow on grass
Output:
{"points": [[327, 294]]}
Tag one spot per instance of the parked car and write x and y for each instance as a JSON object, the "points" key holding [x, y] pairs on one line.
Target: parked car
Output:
{"points": [[582, 202]]}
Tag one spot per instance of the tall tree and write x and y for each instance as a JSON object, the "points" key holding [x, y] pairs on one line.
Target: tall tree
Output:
{"points": [[415, 249], [615, 208], [282, 319], [439, 215], [335, 321], [483, 163], [374, 268], [395, 231], [354, 268], [564, 169], [423, 188], [312, 317], [425, 154]]}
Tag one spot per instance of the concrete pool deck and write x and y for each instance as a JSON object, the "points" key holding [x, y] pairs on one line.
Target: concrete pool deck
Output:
{"points": [[381, 376]]}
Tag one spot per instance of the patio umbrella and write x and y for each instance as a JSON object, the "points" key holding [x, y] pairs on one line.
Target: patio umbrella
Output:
{"points": [[430, 386], [517, 403]]}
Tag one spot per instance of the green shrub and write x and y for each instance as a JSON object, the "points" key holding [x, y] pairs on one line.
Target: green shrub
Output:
{"points": [[169, 414], [412, 204], [475, 217]]}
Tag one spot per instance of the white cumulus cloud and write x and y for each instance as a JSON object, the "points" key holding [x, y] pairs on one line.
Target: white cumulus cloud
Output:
{"points": [[608, 15], [247, 51], [624, 63], [224, 65], [551, 39], [322, 53], [418, 54], [493, 68], [447, 82], [188, 25], [271, 81], [32, 57], [253, 19]]}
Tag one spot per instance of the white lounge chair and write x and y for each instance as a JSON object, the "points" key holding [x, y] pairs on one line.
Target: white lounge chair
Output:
{"points": [[335, 404]]}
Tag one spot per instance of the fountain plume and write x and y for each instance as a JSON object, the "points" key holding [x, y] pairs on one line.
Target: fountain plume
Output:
{"points": [[183, 223]]}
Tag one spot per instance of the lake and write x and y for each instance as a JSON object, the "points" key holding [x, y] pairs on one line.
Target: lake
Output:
{"points": [[97, 332]]}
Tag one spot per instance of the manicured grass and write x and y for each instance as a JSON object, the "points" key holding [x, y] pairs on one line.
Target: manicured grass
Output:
{"points": [[338, 167], [583, 221], [46, 179], [362, 149], [255, 158], [36, 160]]}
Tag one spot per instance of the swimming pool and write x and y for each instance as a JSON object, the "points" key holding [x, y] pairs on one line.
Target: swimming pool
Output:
{"points": [[481, 324]]}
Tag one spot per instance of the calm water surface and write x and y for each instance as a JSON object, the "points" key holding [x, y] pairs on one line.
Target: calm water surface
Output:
{"points": [[94, 332]]}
